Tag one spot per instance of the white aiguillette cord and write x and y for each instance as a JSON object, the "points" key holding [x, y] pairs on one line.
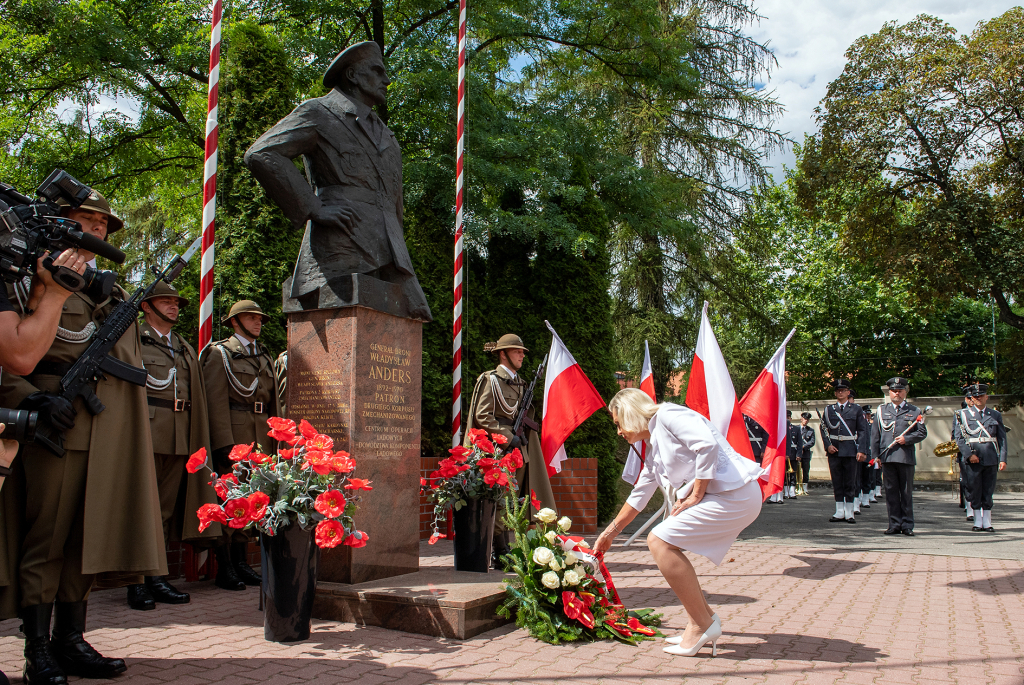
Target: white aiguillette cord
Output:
{"points": [[235, 383]]}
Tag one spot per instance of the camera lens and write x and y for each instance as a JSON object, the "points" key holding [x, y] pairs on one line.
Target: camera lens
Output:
{"points": [[99, 283], [20, 424]]}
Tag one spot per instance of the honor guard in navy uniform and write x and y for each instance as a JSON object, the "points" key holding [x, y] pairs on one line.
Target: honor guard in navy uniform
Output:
{"points": [[874, 484], [965, 497], [865, 484], [794, 448], [758, 437], [982, 442], [493, 408], [807, 441], [241, 394], [897, 429], [178, 422], [844, 432]]}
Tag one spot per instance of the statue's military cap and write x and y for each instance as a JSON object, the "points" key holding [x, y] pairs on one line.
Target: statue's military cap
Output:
{"points": [[347, 57]]}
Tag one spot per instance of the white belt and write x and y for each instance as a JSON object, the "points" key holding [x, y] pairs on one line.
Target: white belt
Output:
{"points": [[842, 438], [757, 440], [973, 441]]}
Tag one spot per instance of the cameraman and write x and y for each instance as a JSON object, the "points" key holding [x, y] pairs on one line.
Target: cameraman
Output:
{"points": [[23, 342], [96, 508]]}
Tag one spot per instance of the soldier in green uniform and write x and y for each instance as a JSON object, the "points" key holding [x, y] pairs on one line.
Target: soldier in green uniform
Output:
{"points": [[241, 394], [493, 408], [94, 510], [179, 424]]}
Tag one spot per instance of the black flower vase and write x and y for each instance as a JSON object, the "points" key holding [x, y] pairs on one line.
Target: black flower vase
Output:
{"points": [[288, 561], [474, 532]]}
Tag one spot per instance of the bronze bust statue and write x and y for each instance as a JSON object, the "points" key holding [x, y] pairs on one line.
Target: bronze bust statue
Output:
{"points": [[353, 251]]}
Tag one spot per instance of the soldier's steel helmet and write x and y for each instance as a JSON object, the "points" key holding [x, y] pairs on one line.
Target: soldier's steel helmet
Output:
{"points": [[245, 307], [97, 203], [509, 341], [347, 57], [165, 289]]}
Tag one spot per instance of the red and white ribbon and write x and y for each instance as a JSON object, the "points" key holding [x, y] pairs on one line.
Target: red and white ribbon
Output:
{"points": [[209, 186], [459, 185]]}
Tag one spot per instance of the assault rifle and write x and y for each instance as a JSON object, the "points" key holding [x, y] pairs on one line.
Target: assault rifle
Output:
{"points": [[824, 429], [524, 406], [95, 361]]}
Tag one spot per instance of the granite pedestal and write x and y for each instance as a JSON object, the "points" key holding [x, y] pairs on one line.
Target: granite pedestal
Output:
{"points": [[355, 374], [441, 602]]}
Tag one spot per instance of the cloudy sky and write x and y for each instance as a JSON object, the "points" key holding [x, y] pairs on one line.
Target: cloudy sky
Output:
{"points": [[809, 38]]}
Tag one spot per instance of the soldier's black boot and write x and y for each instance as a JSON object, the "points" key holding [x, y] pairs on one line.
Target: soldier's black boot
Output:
{"points": [[40, 665], [226, 579], [74, 655], [242, 568], [162, 591], [140, 599], [499, 548]]}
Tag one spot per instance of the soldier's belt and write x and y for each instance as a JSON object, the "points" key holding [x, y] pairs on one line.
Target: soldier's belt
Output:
{"points": [[974, 441], [173, 405], [350, 193], [842, 438], [254, 408]]}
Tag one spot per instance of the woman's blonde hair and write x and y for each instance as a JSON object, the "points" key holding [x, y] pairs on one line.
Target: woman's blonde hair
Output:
{"points": [[633, 408]]}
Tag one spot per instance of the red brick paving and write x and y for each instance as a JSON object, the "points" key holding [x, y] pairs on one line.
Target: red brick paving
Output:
{"points": [[790, 615]]}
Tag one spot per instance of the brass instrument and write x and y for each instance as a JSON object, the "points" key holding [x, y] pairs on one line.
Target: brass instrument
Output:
{"points": [[952, 450]]}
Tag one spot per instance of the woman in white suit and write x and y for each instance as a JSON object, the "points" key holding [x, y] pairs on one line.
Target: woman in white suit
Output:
{"points": [[683, 447]]}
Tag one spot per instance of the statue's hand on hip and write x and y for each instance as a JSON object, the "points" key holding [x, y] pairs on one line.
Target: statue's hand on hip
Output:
{"points": [[341, 216]]}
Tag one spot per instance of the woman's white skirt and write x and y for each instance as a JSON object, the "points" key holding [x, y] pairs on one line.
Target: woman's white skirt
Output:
{"points": [[711, 526]]}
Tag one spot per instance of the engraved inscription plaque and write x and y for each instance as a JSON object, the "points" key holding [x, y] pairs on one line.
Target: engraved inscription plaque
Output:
{"points": [[355, 374]]}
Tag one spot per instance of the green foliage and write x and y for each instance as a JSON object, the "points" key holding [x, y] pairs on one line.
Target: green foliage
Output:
{"points": [[537, 594]]}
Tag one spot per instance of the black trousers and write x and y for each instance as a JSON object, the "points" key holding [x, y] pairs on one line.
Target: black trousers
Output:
{"points": [[844, 477], [864, 477], [981, 484], [792, 469], [899, 495], [805, 464]]}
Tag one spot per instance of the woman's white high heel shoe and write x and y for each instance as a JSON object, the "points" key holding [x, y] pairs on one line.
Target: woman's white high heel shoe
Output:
{"points": [[676, 639], [711, 635]]}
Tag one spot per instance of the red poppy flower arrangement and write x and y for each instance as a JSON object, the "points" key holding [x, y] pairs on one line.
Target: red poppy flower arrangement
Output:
{"points": [[562, 591], [479, 471], [306, 482]]}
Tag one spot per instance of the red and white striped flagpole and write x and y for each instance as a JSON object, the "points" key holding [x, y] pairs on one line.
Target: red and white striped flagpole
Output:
{"points": [[459, 185], [209, 186]]}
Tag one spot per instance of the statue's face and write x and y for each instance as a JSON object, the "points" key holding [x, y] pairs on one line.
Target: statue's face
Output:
{"points": [[369, 81]]}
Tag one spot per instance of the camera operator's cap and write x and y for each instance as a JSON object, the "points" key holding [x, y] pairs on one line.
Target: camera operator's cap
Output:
{"points": [[245, 307], [979, 389], [805, 415], [841, 384], [509, 341], [97, 203], [898, 383], [348, 57], [165, 289]]}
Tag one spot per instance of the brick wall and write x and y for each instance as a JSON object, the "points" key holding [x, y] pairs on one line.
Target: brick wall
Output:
{"points": [[575, 490]]}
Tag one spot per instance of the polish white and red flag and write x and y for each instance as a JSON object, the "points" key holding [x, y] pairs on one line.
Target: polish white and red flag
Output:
{"points": [[765, 402], [710, 392], [638, 450], [569, 400]]}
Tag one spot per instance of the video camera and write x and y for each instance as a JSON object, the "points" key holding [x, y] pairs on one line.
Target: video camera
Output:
{"points": [[31, 228], [20, 424]]}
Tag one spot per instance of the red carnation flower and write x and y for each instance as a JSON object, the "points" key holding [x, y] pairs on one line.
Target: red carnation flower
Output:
{"points": [[320, 442], [516, 456], [356, 539], [223, 485], [282, 429], [341, 463], [258, 502], [287, 453], [329, 534], [486, 464], [423, 482], [485, 445], [238, 511], [240, 452], [358, 484], [435, 537], [331, 504], [475, 433], [196, 461], [499, 439], [534, 501], [209, 514], [318, 461]]}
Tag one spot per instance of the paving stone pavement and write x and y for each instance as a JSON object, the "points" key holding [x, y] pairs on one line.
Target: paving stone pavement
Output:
{"points": [[792, 613]]}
